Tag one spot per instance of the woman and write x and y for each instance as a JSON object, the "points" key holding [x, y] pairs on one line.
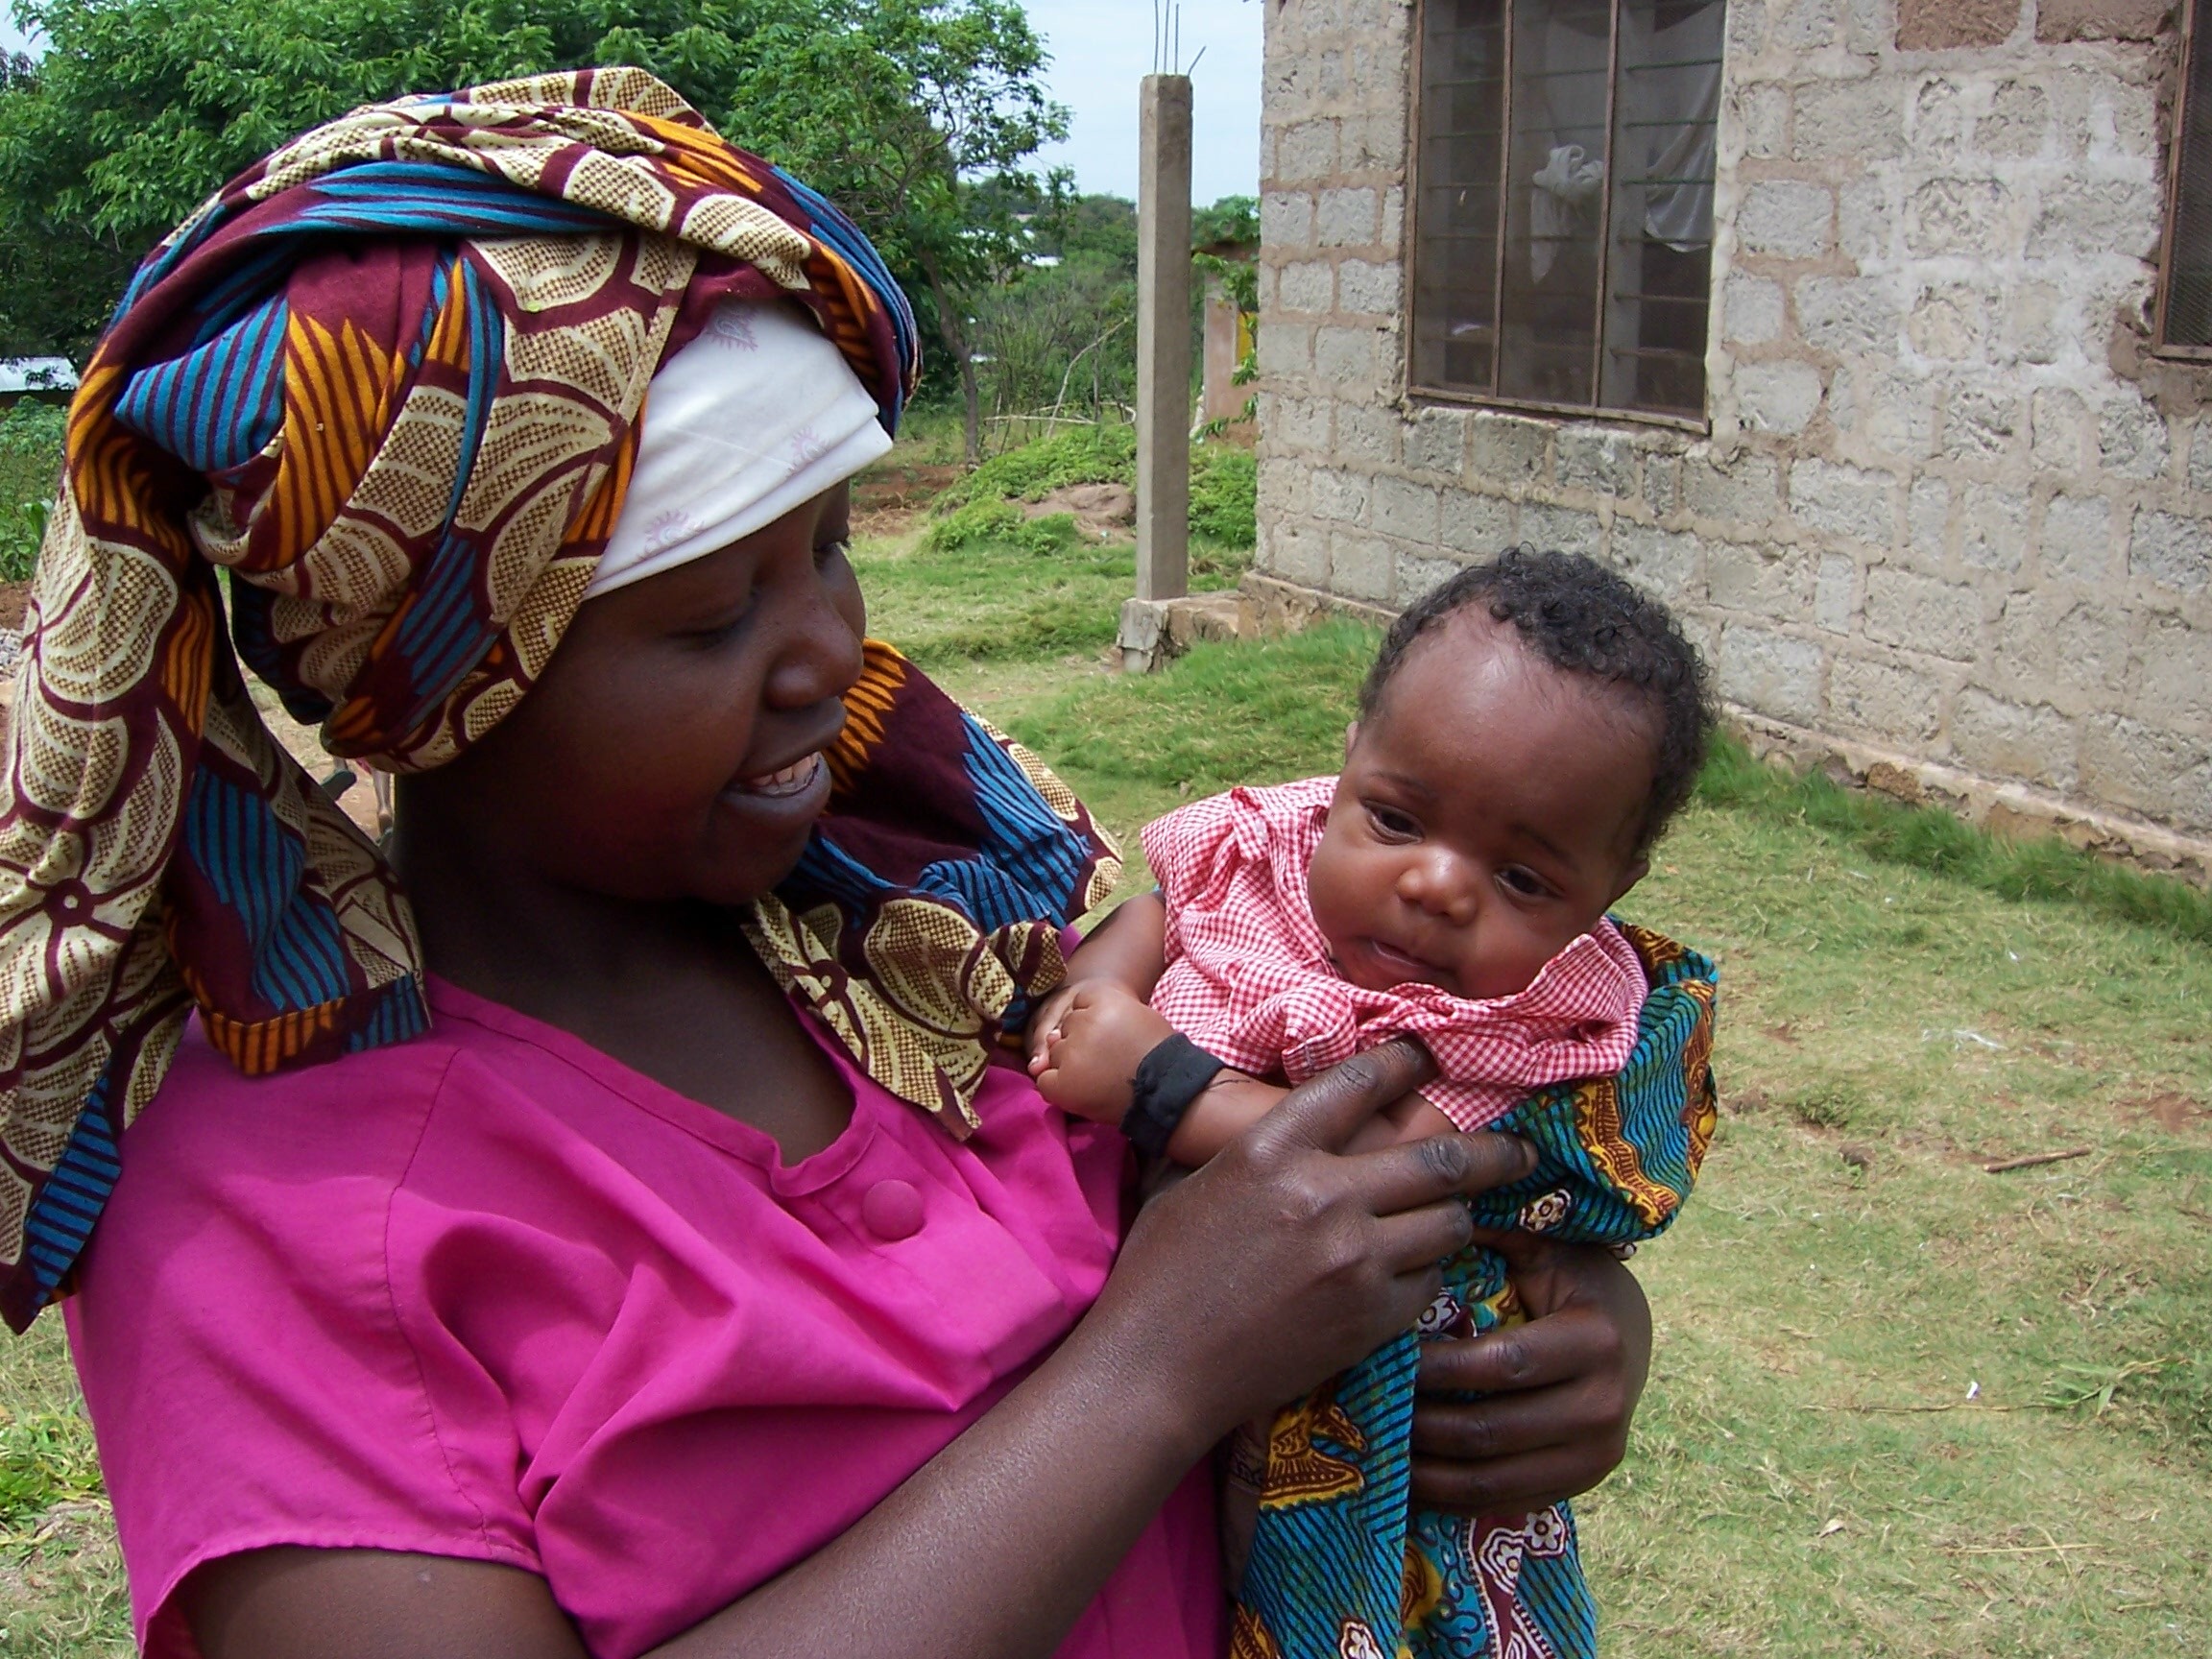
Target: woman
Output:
{"points": [[647, 1256]]}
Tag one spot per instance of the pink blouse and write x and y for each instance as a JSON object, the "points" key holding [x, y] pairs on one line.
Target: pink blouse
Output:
{"points": [[492, 1295]]}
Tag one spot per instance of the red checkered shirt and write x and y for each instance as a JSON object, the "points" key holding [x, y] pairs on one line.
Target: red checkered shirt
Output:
{"points": [[1249, 977]]}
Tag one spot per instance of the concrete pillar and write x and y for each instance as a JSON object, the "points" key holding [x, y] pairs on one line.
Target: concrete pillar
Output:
{"points": [[1163, 337]]}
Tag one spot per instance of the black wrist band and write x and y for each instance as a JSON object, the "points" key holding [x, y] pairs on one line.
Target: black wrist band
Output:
{"points": [[1168, 1078]]}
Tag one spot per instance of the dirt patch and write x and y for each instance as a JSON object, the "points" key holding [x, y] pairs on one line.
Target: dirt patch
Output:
{"points": [[887, 499], [14, 599], [2174, 1113], [1102, 512]]}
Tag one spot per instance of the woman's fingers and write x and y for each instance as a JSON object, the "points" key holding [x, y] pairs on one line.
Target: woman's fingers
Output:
{"points": [[1517, 1485], [1324, 1110], [1573, 1344], [1419, 1173], [1508, 1424], [1416, 1239], [1558, 1391]]}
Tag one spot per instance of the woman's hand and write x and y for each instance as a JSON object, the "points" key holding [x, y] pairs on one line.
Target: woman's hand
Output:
{"points": [[1282, 1262], [1562, 1387]]}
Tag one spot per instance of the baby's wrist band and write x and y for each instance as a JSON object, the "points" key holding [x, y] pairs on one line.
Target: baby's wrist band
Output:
{"points": [[1173, 1074]]}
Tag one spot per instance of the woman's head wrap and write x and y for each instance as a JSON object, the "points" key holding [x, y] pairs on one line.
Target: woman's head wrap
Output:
{"points": [[390, 381]]}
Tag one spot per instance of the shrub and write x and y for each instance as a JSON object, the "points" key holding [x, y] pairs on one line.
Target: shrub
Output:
{"points": [[30, 465], [1002, 524], [1224, 496]]}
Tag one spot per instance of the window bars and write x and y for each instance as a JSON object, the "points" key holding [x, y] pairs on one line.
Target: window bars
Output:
{"points": [[2185, 254], [1562, 210]]}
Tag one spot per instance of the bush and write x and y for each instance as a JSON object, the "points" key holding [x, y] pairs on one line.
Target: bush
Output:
{"points": [[30, 467], [1224, 488], [35, 431], [1224, 496], [1103, 455], [1002, 524]]}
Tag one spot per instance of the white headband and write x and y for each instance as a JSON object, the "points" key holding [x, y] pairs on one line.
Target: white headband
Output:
{"points": [[757, 416]]}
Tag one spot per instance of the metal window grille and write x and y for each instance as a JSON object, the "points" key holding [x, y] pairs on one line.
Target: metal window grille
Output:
{"points": [[2185, 283], [1562, 219]]}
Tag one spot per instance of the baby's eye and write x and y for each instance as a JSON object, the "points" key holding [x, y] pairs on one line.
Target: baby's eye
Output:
{"points": [[1524, 882], [1393, 824]]}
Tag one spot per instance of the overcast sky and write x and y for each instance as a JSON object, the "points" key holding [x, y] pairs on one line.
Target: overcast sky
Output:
{"points": [[1101, 49]]}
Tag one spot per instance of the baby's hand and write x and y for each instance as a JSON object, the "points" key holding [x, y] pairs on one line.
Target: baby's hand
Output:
{"points": [[1090, 1047]]}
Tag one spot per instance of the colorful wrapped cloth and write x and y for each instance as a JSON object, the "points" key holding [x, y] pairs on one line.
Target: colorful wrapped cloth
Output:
{"points": [[390, 380], [1338, 1570]]}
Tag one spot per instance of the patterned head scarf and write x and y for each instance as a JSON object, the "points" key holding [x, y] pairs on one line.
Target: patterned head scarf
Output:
{"points": [[388, 383]]}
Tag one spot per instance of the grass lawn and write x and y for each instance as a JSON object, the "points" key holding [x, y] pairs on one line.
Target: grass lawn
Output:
{"points": [[1901, 1406]]}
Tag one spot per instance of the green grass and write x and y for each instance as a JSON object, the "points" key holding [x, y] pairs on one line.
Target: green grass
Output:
{"points": [[29, 467], [1925, 838], [1006, 589], [1901, 1406], [61, 1586]]}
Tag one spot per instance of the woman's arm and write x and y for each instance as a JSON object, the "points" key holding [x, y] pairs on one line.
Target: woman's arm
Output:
{"points": [[1274, 1266]]}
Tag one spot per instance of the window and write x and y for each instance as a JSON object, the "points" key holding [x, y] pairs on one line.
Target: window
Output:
{"points": [[1563, 202], [2185, 285]]}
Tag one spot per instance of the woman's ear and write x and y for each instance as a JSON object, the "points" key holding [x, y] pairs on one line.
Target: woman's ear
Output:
{"points": [[1350, 737]]}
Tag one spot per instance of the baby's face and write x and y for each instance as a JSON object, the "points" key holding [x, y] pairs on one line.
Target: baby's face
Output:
{"points": [[1486, 817]]}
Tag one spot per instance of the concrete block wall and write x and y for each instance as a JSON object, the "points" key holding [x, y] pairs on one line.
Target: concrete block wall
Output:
{"points": [[1950, 518]]}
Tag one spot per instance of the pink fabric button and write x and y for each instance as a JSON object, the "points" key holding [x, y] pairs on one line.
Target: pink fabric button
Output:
{"points": [[892, 1211]]}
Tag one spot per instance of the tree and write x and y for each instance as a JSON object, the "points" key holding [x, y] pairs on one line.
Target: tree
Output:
{"points": [[918, 116]]}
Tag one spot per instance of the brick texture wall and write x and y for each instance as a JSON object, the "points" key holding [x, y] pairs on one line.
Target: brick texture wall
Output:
{"points": [[1951, 522]]}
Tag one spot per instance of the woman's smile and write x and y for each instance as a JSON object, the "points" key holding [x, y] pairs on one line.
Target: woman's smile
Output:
{"points": [[783, 803], [795, 778]]}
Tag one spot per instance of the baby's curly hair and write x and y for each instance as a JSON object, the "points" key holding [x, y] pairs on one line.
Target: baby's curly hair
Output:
{"points": [[1577, 616]]}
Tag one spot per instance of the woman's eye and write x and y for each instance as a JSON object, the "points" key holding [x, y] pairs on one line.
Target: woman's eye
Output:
{"points": [[718, 632], [830, 553]]}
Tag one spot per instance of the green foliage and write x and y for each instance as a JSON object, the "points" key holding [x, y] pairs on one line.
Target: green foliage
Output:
{"points": [[22, 528], [1232, 219], [1930, 839], [46, 1458], [1061, 339], [30, 467], [34, 431], [1002, 524], [1224, 496], [1224, 485], [915, 115], [1101, 227], [1101, 454]]}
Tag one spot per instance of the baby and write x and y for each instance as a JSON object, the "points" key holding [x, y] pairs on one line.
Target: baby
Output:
{"points": [[1525, 734]]}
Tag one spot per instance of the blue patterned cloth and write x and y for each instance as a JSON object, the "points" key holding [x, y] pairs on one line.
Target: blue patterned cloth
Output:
{"points": [[1338, 1568]]}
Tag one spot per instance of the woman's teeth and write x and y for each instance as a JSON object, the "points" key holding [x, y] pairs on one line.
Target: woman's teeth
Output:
{"points": [[793, 779]]}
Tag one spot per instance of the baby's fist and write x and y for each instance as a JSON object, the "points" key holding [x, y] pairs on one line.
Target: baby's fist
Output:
{"points": [[1087, 1062]]}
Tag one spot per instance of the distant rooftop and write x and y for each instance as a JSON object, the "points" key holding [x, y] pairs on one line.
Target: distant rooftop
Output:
{"points": [[20, 374]]}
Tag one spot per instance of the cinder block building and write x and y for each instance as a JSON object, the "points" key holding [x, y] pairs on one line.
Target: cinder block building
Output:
{"points": [[1873, 334]]}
